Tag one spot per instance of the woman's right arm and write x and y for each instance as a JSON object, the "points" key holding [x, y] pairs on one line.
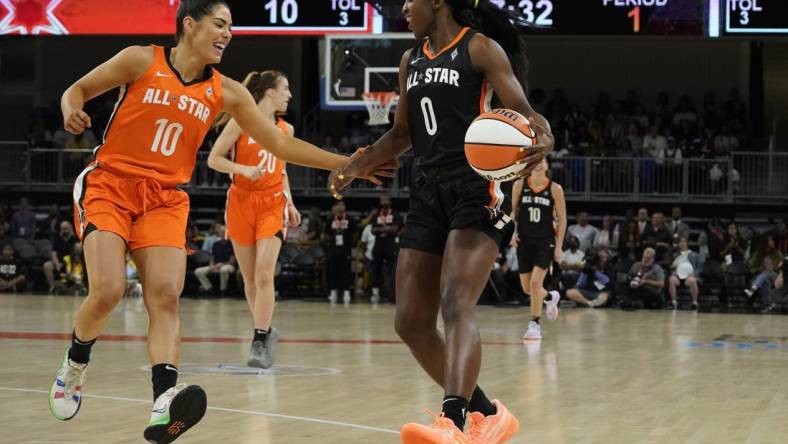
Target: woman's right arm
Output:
{"points": [[239, 103], [125, 67], [390, 145]]}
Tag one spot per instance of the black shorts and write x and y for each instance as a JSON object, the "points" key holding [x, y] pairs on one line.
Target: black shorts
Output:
{"points": [[454, 200], [534, 253]]}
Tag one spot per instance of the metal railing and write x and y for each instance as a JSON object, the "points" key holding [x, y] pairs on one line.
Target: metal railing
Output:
{"points": [[743, 178]]}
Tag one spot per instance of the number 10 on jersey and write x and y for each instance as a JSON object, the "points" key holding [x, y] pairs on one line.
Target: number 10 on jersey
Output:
{"points": [[166, 138]]}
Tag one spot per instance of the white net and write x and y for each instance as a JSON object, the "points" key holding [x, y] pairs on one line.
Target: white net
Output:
{"points": [[379, 105]]}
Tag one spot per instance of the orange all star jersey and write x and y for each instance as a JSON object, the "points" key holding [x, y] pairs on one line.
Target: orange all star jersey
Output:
{"points": [[248, 152], [159, 123]]}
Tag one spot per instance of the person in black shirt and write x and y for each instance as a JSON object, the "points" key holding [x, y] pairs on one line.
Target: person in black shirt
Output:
{"points": [[62, 246], [222, 262], [386, 228], [49, 227], [734, 245], [658, 237], [340, 237], [457, 220], [12, 274]]}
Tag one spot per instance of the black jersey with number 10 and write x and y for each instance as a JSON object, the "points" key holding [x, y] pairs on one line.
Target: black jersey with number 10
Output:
{"points": [[535, 216], [445, 94]]}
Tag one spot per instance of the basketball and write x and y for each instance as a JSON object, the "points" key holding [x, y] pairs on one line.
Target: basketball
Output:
{"points": [[496, 143]]}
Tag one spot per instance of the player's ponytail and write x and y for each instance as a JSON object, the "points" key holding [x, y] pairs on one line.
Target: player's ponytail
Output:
{"points": [[500, 24], [257, 82]]}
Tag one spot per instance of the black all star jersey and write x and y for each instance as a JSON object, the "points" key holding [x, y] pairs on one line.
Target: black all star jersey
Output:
{"points": [[445, 94], [535, 217]]}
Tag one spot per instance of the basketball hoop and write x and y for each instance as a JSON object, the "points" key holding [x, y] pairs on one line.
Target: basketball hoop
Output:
{"points": [[379, 104]]}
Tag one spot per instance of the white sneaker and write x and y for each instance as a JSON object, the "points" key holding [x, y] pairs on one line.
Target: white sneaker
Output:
{"points": [[552, 305], [65, 395], [175, 412], [599, 301], [534, 332], [332, 297], [346, 297]]}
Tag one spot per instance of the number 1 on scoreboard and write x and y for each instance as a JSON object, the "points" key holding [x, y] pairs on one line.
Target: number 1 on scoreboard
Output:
{"points": [[635, 15]]}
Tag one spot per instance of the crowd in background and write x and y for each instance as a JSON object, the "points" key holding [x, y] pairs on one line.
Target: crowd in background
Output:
{"points": [[641, 259]]}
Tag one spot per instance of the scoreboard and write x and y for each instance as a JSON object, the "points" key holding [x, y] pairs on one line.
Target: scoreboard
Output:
{"points": [[756, 17]]}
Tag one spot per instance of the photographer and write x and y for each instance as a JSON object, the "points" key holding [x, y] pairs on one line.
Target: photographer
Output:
{"points": [[593, 286], [646, 280]]}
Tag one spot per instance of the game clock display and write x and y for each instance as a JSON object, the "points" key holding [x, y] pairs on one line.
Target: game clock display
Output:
{"points": [[612, 17]]}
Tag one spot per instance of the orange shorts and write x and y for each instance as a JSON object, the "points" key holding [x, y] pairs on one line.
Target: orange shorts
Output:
{"points": [[137, 209], [254, 215]]}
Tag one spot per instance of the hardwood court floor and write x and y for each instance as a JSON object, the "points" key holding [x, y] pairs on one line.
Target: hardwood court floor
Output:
{"points": [[599, 376]]}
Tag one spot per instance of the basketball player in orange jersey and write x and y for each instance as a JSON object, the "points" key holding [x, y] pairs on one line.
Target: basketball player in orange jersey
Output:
{"points": [[257, 208], [457, 220], [128, 198], [538, 203]]}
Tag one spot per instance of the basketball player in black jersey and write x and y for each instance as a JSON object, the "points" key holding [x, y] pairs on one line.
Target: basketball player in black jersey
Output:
{"points": [[538, 203], [457, 220]]}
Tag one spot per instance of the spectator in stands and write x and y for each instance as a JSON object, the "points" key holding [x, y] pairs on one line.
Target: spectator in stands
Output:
{"points": [[779, 283], [685, 112], [222, 263], [386, 227], [48, 228], [593, 287], [734, 245], [769, 250], [607, 237], [62, 245], [764, 284], [584, 232], [725, 142], [646, 280], [684, 271], [642, 220], [314, 226], [780, 235], [506, 278], [211, 237], [23, 221], [367, 245], [629, 244], [12, 273], [677, 227], [712, 241], [340, 236], [658, 237], [72, 276], [572, 261], [654, 143], [635, 145], [193, 239], [4, 232]]}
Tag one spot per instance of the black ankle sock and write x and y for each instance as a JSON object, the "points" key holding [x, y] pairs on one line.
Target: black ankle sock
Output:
{"points": [[165, 377], [260, 335], [455, 408], [480, 403], [80, 350], [549, 297], [536, 318]]}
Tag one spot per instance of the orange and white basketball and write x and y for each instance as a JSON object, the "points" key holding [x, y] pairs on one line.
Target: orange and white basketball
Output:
{"points": [[496, 142]]}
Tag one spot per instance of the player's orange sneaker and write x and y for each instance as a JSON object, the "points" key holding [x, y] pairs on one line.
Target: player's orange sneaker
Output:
{"points": [[442, 431], [493, 429]]}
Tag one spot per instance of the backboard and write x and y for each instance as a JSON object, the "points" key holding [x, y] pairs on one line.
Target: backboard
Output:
{"points": [[359, 64]]}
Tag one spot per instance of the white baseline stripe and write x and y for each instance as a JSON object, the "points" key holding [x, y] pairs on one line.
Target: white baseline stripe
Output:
{"points": [[221, 409]]}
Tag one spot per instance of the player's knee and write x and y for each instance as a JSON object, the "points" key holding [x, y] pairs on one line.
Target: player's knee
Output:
{"points": [[264, 279], [164, 294], [456, 305], [535, 288], [412, 328], [106, 292]]}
